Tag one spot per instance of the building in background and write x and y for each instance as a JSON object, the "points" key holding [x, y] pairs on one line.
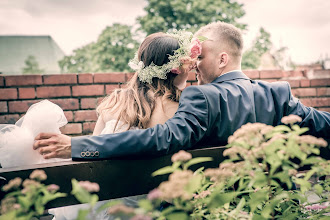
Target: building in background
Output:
{"points": [[15, 51]]}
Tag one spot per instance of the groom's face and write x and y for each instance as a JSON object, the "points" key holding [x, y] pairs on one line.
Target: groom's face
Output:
{"points": [[207, 68]]}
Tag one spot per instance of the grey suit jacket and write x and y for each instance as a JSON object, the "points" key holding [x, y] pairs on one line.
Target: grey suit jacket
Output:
{"points": [[207, 116]]}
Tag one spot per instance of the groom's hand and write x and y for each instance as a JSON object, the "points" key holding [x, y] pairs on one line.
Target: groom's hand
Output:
{"points": [[53, 145]]}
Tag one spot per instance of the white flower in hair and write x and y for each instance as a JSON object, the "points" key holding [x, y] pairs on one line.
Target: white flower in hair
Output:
{"points": [[189, 48]]}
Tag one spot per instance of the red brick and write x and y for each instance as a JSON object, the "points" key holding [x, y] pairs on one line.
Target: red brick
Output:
{"points": [[67, 104], [294, 73], [3, 107], [110, 88], [88, 127], [20, 106], [84, 78], [53, 91], [302, 92], [306, 102], [320, 102], [88, 90], [9, 119], [2, 81], [271, 74], [6, 94], [253, 74], [109, 77], [270, 80], [85, 115], [320, 82], [294, 83], [60, 79], [72, 128], [129, 76], [23, 80], [69, 115], [323, 91], [26, 93], [191, 76], [99, 100], [305, 83], [324, 109], [88, 103]]}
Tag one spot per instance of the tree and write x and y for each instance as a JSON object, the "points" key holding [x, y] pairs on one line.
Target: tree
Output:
{"points": [[163, 15], [260, 45], [110, 53], [31, 66]]}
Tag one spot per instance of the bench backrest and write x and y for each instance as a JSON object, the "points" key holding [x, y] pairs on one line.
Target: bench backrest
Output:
{"points": [[117, 178]]}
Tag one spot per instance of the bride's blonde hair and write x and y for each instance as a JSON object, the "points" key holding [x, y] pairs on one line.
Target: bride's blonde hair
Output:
{"points": [[136, 102]]}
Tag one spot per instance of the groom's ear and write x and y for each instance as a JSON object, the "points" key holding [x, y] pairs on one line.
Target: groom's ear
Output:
{"points": [[223, 59]]}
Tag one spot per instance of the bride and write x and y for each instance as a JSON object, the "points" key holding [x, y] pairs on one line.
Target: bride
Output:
{"points": [[151, 97]]}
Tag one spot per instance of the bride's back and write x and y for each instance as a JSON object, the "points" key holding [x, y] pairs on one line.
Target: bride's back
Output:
{"points": [[147, 100]]}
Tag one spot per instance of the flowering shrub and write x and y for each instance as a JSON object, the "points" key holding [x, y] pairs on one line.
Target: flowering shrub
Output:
{"points": [[28, 199], [256, 182]]}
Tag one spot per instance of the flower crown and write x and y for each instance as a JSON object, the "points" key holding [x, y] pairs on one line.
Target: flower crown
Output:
{"points": [[190, 48]]}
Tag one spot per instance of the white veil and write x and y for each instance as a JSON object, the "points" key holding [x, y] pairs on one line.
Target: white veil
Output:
{"points": [[16, 141]]}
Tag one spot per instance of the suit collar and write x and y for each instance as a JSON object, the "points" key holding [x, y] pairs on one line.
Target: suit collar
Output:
{"points": [[231, 76]]}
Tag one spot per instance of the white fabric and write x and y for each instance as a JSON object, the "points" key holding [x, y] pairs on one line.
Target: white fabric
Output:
{"points": [[110, 125], [16, 141]]}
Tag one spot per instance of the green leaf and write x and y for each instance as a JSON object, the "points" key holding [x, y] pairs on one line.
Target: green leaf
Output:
{"points": [[196, 161], [108, 205], [194, 184], [202, 38], [257, 198], [318, 188], [177, 216], [219, 199], [25, 202], [82, 195], [281, 128], [82, 214], [239, 207], [164, 170], [146, 205]]}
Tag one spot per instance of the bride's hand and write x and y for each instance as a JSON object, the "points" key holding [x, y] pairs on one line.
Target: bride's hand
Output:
{"points": [[53, 145]]}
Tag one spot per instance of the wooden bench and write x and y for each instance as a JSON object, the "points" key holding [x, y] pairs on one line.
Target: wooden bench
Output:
{"points": [[117, 178]]}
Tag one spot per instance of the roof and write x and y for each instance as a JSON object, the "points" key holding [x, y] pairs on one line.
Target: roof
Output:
{"points": [[14, 50]]}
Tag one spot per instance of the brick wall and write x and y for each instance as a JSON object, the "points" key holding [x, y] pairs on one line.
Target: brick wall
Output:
{"points": [[78, 94]]}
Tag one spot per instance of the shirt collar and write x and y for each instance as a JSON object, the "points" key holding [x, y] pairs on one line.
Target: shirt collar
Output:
{"points": [[234, 74]]}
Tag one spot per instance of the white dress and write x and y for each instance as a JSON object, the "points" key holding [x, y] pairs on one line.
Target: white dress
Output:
{"points": [[71, 212]]}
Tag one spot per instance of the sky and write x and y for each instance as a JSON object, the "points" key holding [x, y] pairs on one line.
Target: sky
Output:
{"points": [[301, 25]]}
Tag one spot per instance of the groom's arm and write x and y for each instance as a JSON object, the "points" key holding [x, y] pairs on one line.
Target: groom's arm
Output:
{"points": [[184, 130]]}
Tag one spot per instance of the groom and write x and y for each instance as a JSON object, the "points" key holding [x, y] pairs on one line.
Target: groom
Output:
{"points": [[207, 115]]}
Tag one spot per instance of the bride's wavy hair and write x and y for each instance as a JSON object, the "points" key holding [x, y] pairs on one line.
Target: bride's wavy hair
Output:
{"points": [[136, 102]]}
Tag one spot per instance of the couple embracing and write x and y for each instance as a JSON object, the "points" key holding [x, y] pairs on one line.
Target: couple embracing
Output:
{"points": [[152, 117]]}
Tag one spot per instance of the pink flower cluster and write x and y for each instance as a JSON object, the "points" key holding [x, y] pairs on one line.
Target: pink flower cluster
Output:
{"points": [[315, 207], [38, 175], [195, 48], [189, 62], [90, 187]]}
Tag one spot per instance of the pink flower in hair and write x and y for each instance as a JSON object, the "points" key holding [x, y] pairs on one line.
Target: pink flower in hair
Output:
{"points": [[176, 70], [195, 48]]}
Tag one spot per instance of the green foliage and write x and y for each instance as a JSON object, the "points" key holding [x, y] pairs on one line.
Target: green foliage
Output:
{"points": [[263, 160], [27, 200], [31, 66], [261, 44], [163, 15], [110, 53]]}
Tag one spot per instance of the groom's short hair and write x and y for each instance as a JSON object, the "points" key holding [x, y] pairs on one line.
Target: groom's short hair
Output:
{"points": [[226, 34]]}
